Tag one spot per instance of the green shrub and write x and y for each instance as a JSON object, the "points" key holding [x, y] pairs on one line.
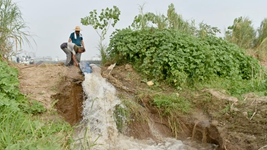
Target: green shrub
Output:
{"points": [[179, 58]]}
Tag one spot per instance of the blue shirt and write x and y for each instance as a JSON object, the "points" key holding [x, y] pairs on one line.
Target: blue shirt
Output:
{"points": [[78, 40]]}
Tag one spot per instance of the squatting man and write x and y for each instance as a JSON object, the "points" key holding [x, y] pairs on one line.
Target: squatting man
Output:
{"points": [[74, 47], [71, 50]]}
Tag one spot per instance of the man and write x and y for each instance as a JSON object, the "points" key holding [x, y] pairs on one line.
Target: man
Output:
{"points": [[77, 38], [71, 51]]}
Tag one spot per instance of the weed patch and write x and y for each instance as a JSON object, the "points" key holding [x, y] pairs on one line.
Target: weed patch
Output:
{"points": [[19, 128], [172, 102]]}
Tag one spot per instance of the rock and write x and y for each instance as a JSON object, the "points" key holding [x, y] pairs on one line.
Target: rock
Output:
{"points": [[150, 83], [128, 67], [111, 66], [245, 114], [221, 95], [214, 123], [249, 95]]}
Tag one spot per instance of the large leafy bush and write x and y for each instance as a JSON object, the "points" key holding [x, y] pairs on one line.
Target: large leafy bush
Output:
{"points": [[180, 58]]}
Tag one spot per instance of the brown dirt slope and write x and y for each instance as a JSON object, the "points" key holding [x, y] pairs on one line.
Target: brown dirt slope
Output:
{"points": [[216, 117], [57, 87]]}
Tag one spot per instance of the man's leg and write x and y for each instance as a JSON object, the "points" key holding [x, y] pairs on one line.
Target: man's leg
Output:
{"points": [[78, 57], [68, 54], [71, 61]]}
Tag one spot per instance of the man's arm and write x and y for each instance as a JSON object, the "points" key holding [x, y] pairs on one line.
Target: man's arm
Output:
{"points": [[75, 61], [83, 43], [71, 37]]}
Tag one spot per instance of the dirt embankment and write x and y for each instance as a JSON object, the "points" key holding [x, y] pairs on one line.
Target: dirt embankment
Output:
{"points": [[216, 117], [56, 87]]}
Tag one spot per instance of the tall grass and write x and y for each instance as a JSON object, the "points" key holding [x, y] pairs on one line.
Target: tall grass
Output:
{"points": [[171, 102], [22, 131], [241, 33], [12, 28]]}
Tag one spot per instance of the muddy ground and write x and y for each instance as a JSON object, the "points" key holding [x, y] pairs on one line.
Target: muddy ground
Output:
{"points": [[215, 118]]}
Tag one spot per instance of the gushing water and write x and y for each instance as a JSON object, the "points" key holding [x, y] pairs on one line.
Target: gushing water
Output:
{"points": [[99, 131]]}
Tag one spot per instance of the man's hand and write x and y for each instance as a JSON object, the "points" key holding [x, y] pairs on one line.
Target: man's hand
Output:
{"points": [[75, 61]]}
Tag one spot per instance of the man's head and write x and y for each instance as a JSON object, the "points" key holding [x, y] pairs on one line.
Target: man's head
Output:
{"points": [[81, 49], [77, 29]]}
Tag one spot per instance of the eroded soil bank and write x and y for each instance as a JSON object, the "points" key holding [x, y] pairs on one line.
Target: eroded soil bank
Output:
{"points": [[217, 118], [70, 98], [56, 87]]}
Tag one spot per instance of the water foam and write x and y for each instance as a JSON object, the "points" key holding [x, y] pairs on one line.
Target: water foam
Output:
{"points": [[100, 131]]}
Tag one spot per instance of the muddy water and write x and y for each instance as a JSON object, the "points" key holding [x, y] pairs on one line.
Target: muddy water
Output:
{"points": [[99, 130]]}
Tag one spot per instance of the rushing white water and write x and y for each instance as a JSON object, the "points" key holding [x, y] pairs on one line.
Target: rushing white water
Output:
{"points": [[99, 131]]}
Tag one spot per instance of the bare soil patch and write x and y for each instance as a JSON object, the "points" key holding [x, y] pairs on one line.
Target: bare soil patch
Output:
{"points": [[57, 87]]}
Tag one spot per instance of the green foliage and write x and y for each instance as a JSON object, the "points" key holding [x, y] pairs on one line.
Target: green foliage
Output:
{"points": [[106, 18], [19, 130], [102, 22], [122, 115], [207, 30], [180, 59], [172, 102], [237, 87], [10, 94], [241, 33], [35, 107], [128, 112]]}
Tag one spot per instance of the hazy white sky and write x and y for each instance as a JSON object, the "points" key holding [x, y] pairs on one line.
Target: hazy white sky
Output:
{"points": [[51, 21]]}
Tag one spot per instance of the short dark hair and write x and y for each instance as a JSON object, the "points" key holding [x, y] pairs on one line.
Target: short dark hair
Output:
{"points": [[82, 49]]}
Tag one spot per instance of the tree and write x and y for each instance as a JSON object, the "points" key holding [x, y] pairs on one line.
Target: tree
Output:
{"points": [[262, 34], [206, 30], [172, 21], [12, 28], [108, 17], [241, 33], [176, 22]]}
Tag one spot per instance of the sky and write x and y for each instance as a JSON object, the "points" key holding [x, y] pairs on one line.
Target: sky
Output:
{"points": [[50, 22]]}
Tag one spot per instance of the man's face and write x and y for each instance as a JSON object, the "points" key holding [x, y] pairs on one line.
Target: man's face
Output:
{"points": [[80, 51], [77, 32]]}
